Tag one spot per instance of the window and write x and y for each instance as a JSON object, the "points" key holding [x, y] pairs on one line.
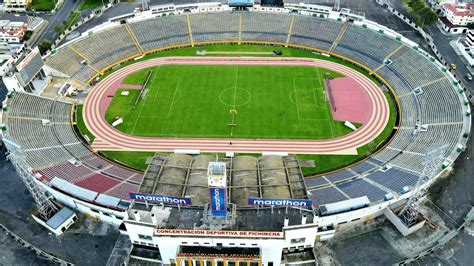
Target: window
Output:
{"points": [[145, 237], [297, 240]]}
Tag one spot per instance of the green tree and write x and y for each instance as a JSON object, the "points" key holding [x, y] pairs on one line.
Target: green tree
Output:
{"points": [[44, 46], [428, 16], [416, 5], [58, 28]]}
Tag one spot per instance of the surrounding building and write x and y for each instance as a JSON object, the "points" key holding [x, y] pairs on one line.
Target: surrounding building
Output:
{"points": [[16, 5], [12, 32], [466, 46], [456, 17]]}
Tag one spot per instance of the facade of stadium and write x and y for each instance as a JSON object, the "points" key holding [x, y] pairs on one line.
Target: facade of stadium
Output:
{"points": [[434, 111]]}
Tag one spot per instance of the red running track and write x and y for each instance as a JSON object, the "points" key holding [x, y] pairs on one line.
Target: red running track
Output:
{"points": [[109, 138]]}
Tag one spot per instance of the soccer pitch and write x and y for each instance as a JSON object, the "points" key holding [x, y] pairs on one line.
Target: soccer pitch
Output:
{"points": [[199, 101]]}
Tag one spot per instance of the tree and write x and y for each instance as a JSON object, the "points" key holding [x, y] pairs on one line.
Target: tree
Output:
{"points": [[58, 28], [44, 46], [428, 16], [416, 5]]}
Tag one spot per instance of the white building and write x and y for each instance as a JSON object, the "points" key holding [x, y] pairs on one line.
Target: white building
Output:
{"points": [[466, 46], [268, 236], [12, 32], [16, 5], [26, 73], [455, 18]]}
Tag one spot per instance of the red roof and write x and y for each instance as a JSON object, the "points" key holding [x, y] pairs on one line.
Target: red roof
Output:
{"points": [[464, 10]]}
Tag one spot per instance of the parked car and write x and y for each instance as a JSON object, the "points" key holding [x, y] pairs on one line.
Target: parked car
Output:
{"points": [[453, 66], [469, 76]]}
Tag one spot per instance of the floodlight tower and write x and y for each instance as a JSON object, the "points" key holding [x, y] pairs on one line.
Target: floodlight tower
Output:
{"points": [[431, 162], [144, 5], [45, 207], [337, 5]]}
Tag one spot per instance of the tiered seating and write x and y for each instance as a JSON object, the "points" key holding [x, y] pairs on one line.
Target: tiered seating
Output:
{"points": [[27, 105], [46, 156], [414, 67], [435, 136], [60, 112], [106, 47], [326, 195], [66, 171], [84, 74], [358, 55], [315, 32], [434, 107], [359, 187], [166, 31], [341, 175], [98, 183], [399, 85], [119, 172], [122, 190], [409, 109], [386, 155], [409, 161], [66, 61], [265, 27], [215, 27], [363, 167], [315, 181], [365, 46], [394, 179]]}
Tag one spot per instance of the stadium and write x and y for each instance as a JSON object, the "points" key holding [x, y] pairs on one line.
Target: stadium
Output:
{"points": [[186, 104]]}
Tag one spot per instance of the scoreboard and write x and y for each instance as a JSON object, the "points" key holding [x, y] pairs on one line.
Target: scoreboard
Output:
{"points": [[241, 2]]}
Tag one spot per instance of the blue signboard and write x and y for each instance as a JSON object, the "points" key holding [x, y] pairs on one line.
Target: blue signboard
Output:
{"points": [[218, 201], [160, 198], [240, 2], [280, 202]]}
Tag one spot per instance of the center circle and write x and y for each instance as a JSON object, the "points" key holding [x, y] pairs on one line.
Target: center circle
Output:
{"points": [[234, 97]]}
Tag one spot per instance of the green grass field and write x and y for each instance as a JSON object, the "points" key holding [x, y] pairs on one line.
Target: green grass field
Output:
{"points": [[195, 101], [323, 162]]}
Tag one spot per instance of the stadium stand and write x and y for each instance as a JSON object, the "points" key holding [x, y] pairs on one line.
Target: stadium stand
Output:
{"points": [[215, 27], [315, 32], [438, 106], [156, 33], [59, 153], [275, 28]]}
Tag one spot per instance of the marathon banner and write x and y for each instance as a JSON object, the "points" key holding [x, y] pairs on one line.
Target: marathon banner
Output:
{"points": [[280, 202], [159, 198], [218, 201]]}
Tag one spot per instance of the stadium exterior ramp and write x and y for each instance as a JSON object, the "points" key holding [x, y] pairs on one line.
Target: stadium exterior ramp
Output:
{"points": [[434, 110]]}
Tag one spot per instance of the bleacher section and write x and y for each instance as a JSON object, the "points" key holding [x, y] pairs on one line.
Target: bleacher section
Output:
{"points": [[96, 48], [265, 27], [53, 150], [156, 33], [439, 105], [215, 27]]}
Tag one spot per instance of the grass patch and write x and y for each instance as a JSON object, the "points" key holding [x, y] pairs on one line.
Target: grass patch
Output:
{"points": [[136, 161], [189, 101], [72, 19], [91, 4], [81, 125], [42, 5]]}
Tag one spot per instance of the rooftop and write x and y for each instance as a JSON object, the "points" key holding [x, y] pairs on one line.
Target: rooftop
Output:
{"points": [[184, 175], [461, 10], [195, 218]]}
